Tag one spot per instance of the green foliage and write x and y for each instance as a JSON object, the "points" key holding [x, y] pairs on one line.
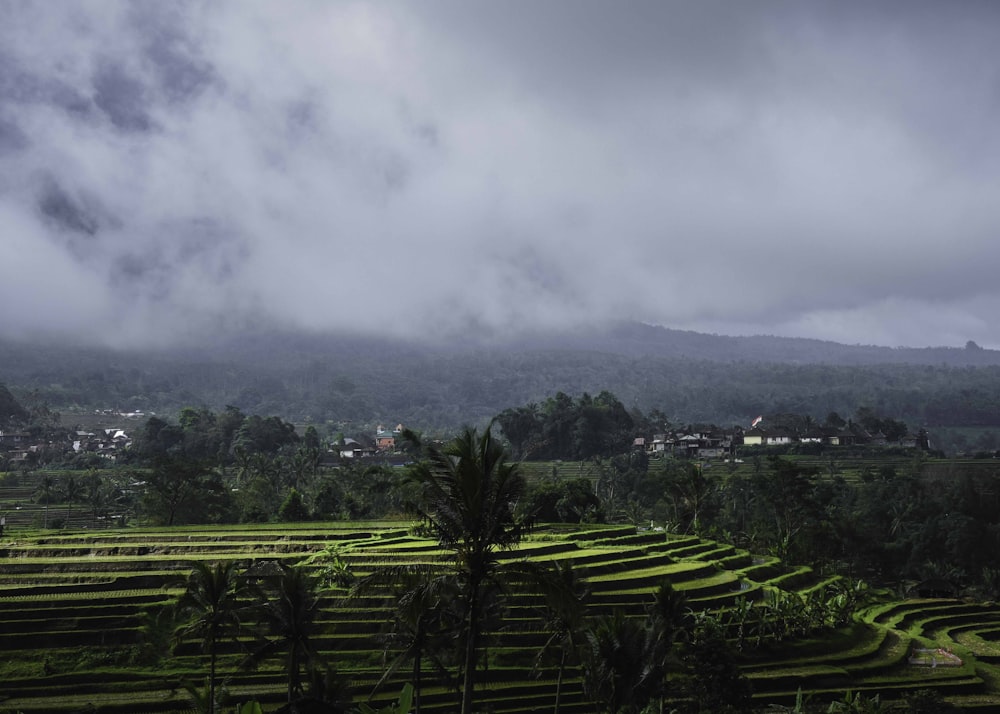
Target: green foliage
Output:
{"points": [[693, 654], [468, 496], [14, 413], [691, 377], [400, 706], [179, 490], [711, 680], [267, 435], [569, 501], [619, 669], [206, 699], [694, 496], [800, 706], [562, 428], [293, 508], [858, 703], [289, 606], [927, 701], [158, 623], [215, 608], [333, 569]]}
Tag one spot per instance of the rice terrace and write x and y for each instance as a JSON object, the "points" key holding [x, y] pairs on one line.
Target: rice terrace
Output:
{"points": [[79, 612], [228, 563], [498, 358]]}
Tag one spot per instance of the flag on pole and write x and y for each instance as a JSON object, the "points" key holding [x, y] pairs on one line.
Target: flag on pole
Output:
{"points": [[756, 421]]}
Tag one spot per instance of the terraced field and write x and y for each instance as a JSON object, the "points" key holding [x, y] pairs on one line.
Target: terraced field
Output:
{"points": [[77, 611]]}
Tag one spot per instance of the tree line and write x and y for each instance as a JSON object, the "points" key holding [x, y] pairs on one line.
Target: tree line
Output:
{"points": [[892, 526], [443, 389], [905, 520], [221, 467]]}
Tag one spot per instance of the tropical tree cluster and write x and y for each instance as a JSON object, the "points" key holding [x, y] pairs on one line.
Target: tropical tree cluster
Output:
{"points": [[912, 521], [101, 498], [566, 428], [263, 616], [229, 467]]}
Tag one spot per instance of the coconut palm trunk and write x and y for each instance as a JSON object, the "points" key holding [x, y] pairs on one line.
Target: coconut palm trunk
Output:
{"points": [[214, 602], [471, 646], [468, 494]]}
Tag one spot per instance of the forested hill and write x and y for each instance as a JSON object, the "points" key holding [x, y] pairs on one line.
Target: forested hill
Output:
{"points": [[688, 376], [637, 339]]}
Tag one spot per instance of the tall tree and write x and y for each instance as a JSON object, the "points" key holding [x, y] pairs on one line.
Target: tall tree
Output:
{"points": [[566, 596], [45, 491], [712, 682], [216, 602], [618, 666], [12, 413], [420, 623], [289, 615], [691, 492], [468, 496], [96, 494], [72, 491], [182, 490], [669, 619], [521, 426]]}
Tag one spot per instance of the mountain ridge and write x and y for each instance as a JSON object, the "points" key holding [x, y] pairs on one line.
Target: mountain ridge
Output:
{"points": [[357, 379], [623, 338]]}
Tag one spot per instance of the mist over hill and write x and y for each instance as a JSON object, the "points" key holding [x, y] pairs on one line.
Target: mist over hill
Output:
{"points": [[358, 380], [637, 339]]}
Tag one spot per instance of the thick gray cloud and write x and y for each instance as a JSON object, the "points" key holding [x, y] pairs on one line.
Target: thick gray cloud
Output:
{"points": [[821, 169]]}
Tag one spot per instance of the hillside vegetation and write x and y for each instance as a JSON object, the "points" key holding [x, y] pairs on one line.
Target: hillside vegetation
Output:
{"points": [[349, 380]]}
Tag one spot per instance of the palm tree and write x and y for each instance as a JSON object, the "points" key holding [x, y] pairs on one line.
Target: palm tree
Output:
{"points": [[289, 616], [669, 620], [96, 494], [419, 623], [72, 492], [566, 597], [45, 491], [691, 491], [616, 668], [468, 496], [216, 602]]}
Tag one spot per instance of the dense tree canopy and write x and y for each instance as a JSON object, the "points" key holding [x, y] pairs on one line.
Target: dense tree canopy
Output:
{"points": [[564, 428], [441, 390], [12, 413]]}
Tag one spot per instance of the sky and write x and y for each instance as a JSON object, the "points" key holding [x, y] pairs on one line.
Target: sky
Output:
{"points": [[171, 171]]}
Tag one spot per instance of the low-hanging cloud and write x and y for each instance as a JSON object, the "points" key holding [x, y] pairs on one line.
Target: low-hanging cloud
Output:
{"points": [[825, 169]]}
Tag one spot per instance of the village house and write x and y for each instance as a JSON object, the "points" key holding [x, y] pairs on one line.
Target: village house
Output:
{"points": [[696, 444], [354, 449], [659, 445], [13, 439], [815, 435], [385, 440], [711, 442], [108, 443]]}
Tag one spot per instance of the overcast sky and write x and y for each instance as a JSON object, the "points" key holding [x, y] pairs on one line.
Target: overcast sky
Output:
{"points": [[813, 169]]}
